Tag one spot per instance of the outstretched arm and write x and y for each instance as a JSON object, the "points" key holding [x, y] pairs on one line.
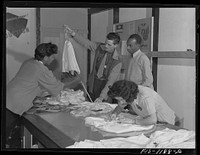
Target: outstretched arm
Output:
{"points": [[81, 40]]}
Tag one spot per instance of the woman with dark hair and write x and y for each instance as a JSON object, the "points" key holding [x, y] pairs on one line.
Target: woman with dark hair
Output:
{"points": [[145, 102], [30, 81]]}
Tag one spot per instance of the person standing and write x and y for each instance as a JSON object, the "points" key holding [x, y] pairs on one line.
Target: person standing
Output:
{"points": [[139, 69], [106, 66]]}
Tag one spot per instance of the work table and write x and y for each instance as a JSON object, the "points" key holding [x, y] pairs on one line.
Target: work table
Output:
{"points": [[61, 129]]}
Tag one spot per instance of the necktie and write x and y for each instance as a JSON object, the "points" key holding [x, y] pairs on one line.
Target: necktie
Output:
{"points": [[101, 68]]}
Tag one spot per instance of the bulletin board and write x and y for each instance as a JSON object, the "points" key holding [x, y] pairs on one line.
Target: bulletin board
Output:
{"points": [[143, 27]]}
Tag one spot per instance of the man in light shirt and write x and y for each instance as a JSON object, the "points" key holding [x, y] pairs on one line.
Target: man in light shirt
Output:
{"points": [[139, 70]]}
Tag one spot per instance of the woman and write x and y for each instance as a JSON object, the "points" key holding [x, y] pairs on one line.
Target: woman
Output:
{"points": [[145, 102], [30, 81]]}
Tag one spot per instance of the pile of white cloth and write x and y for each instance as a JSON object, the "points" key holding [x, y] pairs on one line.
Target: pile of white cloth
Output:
{"points": [[166, 138], [130, 142], [71, 96], [169, 138], [114, 126], [66, 97]]}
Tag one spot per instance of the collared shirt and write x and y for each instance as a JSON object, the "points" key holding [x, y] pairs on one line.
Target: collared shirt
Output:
{"points": [[40, 62], [136, 53], [139, 70], [149, 102], [115, 73]]}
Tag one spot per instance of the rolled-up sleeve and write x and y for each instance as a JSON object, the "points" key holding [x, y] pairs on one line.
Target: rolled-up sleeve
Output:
{"points": [[49, 82], [113, 77]]}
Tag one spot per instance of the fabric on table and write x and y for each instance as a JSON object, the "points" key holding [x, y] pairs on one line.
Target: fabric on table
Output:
{"points": [[139, 141], [171, 138], [113, 126]]}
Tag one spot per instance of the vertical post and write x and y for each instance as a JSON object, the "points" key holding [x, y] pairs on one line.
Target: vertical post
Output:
{"points": [[115, 15], [89, 52], [37, 26], [155, 14]]}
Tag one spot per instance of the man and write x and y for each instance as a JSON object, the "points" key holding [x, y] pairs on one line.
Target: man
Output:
{"points": [[106, 66], [139, 70], [30, 81]]}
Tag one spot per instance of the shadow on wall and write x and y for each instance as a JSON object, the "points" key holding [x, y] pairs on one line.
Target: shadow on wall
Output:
{"points": [[20, 57]]}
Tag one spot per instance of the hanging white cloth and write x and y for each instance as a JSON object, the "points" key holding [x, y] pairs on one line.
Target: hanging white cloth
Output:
{"points": [[69, 62]]}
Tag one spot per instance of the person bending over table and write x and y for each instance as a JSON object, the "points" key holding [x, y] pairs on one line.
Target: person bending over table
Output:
{"points": [[143, 101], [31, 80]]}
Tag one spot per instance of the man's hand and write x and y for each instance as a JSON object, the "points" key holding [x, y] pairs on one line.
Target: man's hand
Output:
{"points": [[98, 100], [68, 30]]}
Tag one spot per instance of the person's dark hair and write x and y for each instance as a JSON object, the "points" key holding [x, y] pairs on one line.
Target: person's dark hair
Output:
{"points": [[113, 36], [128, 90], [137, 37], [45, 49]]}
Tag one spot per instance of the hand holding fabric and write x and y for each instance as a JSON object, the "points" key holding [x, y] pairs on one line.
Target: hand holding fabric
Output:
{"points": [[68, 30]]}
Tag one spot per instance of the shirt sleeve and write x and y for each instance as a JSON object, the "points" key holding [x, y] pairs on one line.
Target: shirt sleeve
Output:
{"points": [[85, 42], [49, 82], [114, 76], [146, 71], [148, 106]]}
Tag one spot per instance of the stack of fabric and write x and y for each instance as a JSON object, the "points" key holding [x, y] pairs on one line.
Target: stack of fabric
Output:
{"points": [[114, 126], [166, 138], [71, 96], [130, 142]]}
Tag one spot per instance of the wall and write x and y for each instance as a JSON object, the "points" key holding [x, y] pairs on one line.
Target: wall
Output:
{"points": [[20, 38], [176, 77], [52, 21], [130, 14]]}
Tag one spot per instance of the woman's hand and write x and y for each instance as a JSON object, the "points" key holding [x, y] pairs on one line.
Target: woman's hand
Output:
{"points": [[118, 110], [109, 117], [127, 118]]}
